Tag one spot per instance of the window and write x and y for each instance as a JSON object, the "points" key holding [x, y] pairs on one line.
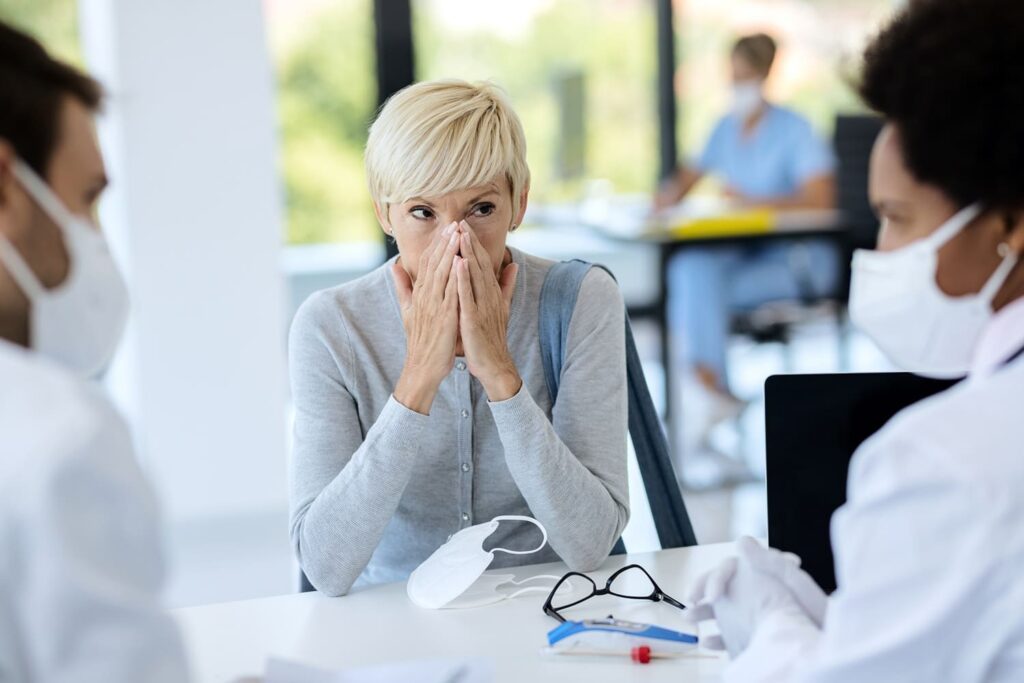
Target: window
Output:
{"points": [[54, 23], [819, 41], [323, 55], [580, 73]]}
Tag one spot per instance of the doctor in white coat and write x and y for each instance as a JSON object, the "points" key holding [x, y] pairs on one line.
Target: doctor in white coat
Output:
{"points": [[80, 544], [929, 547]]}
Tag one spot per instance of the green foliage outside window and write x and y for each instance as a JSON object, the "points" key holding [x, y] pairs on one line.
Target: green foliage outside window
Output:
{"points": [[52, 22], [325, 69], [326, 97]]}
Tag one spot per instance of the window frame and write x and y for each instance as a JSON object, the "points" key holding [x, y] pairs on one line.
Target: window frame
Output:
{"points": [[396, 69]]}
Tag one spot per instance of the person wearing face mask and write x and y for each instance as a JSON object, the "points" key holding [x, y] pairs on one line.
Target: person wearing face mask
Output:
{"points": [[421, 405], [765, 155], [80, 558], [929, 547]]}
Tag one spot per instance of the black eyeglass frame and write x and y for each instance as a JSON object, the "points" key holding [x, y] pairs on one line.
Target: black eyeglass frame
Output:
{"points": [[657, 595]]}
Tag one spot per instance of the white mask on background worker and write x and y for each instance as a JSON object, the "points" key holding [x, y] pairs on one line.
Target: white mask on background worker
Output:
{"points": [[896, 300], [751, 64], [79, 322], [747, 97]]}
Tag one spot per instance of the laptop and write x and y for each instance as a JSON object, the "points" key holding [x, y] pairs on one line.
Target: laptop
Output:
{"points": [[813, 425]]}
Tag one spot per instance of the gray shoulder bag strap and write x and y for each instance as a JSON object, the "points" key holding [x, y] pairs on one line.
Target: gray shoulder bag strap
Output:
{"points": [[557, 303]]}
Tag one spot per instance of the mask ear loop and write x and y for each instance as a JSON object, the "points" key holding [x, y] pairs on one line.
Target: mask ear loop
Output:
{"points": [[522, 518], [1000, 274], [536, 589], [528, 589], [44, 197], [48, 202], [956, 223], [932, 242], [19, 270], [42, 193]]}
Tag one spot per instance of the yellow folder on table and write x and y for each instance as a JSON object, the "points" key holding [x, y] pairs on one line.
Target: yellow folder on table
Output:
{"points": [[730, 224]]}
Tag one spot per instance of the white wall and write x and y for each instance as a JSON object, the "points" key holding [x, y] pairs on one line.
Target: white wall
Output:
{"points": [[195, 214]]}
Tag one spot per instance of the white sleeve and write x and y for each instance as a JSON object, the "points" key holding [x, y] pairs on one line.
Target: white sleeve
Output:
{"points": [[89, 567], [782, 642], [903, 595]]}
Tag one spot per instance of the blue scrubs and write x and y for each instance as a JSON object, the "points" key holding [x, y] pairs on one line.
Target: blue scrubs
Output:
{"points": [[707, 284]]}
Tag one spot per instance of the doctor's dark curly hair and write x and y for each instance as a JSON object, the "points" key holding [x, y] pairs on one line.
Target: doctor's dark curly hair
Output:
{"points": [[950, 75]]}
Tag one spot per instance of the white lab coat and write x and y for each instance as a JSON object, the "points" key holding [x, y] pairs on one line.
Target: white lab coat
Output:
{"points": [[929, 548], [80, 553]]}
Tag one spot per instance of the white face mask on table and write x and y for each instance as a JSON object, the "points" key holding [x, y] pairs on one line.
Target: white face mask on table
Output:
{"points": [[453, 576], [78, 323], [895, 300]]}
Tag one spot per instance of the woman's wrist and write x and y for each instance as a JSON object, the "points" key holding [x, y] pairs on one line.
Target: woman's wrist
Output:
{"points": [[415, 390], [502, 384]]}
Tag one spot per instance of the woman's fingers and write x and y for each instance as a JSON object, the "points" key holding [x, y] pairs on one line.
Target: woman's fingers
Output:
{"points": [[478, 271], [470, 250], [428, 254], [432, 254], [466, 298], [437, 249], [451, 289], [482, 257], [443, 270]]}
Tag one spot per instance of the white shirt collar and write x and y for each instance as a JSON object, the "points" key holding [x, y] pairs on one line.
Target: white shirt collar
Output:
{"points": [[1003, 337]]}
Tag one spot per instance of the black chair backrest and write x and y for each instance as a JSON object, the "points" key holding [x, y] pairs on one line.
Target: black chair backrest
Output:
{"points": [[853, 139]]}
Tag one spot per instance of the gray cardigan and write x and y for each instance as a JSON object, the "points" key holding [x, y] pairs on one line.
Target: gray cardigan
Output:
{"points": [[375, 487]]}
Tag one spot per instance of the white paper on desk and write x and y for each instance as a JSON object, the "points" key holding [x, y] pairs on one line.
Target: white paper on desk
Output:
{"points": [[422, 671]]}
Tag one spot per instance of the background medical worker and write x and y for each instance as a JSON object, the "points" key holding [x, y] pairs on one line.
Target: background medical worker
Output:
{"points": [[929, 548], [80, 558], [765, 155]]}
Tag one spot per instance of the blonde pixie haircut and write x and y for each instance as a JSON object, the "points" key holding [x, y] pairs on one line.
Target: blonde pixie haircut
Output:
{"points": [[442, 136]]}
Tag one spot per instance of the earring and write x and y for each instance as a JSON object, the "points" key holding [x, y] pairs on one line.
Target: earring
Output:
{"points": [[1004, 250], [513, 228]]}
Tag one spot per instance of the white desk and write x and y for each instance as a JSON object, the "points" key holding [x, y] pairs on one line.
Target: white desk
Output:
{"points": [[380, 624]]}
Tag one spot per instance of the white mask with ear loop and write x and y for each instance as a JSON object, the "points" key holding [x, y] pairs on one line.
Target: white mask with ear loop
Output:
{"points": [[453, 576], [79, 322], [896, 301], [746, 98]]}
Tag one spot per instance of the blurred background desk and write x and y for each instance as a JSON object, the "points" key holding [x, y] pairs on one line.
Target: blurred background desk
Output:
{"points": [[696, 226], [700, 223]]}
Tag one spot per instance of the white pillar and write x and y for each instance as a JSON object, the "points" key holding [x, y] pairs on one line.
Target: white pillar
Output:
{"points": [[195, 214]]}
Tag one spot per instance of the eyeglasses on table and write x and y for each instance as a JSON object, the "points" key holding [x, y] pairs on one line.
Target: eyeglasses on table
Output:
{"points": [[632, 582]]}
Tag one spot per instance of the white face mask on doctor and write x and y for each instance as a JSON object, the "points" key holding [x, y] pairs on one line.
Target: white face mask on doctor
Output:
{"points": [[79, 322], [895, 300], [452, 577]]}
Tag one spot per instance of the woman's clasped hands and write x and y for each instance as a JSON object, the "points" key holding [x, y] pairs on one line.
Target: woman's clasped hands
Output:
{"points": [[457, 299]]}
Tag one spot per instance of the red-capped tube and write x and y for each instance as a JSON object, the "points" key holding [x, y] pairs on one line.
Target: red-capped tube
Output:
{"points": [[641, 654]]}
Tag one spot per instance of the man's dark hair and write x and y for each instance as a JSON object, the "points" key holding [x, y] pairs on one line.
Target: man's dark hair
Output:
{"points": [[33, 87], [950, 75]]}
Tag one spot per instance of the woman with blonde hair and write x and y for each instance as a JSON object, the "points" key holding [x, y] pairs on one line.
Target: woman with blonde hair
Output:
{"points": [[421, 404]]}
